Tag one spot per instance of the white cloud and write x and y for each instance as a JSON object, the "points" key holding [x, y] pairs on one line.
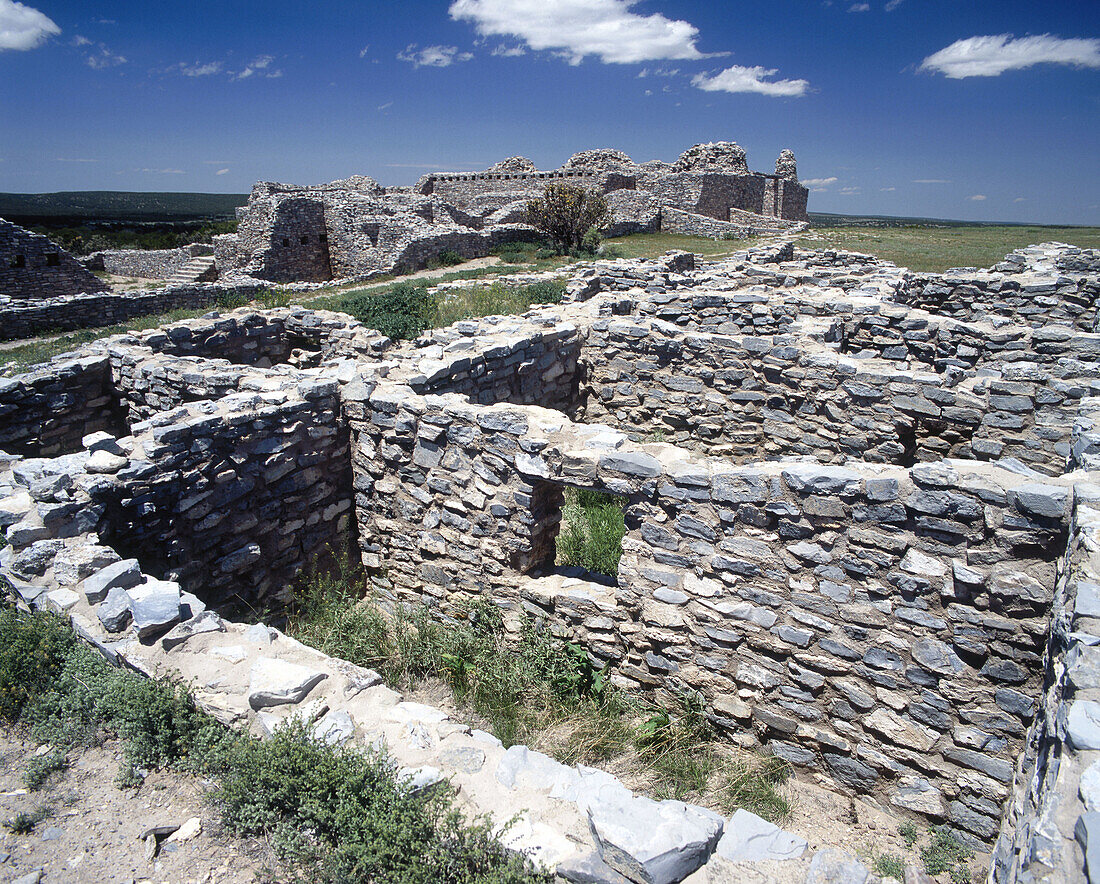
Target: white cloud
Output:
{"points": [[22, 27], [606, 29], [509, 51], [80, 40], [385, 106], [104, 59], [433, 56], [849, 191], [222, 172], [75, 160], [259, 66], [860, 7], [931, 181], [1020, 199], [162, 171], [887, 189], [196, 70], [819, 182], [992, 55], [363, 52], [755, 79], [978, 197], [891, 5]]}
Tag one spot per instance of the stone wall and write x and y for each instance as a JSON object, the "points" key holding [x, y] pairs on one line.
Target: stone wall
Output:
{"points": [[34, 267], [462, 190], [23, 319], [145, 263], [49, 410]]}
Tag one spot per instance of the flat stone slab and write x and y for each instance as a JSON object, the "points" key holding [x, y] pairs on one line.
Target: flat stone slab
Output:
{"points": [[652, 842], [748, 838], [275, 682], [335, 729], [114, 611], [589, 869], [207, 621], [1083, 724], [122, 574]]}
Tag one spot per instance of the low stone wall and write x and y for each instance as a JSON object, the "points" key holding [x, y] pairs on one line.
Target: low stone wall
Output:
{"points": [[1058, 290], [27, 319], [145, 263], [794, 598], [49, 410]]}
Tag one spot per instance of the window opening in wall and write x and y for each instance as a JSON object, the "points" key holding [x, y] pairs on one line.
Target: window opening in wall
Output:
{"points": [[303, 240], [323, 237], [591, 532], [286, 241], [53, 259], [18, 262]]}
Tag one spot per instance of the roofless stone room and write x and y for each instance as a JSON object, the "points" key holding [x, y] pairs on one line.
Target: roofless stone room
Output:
{"points": [[565, 492]]}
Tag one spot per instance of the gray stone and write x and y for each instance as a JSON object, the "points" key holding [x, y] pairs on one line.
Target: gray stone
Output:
{"points": [[935, 655], [114, 611], [1047, 501], [1087, 833], [123, 575], [854, 774], [464, 759], [631, 463], [589, 869], [1083, 724], [1089, 787], [808, 478], [833, 866], [335, 729], [207, 621], [917, 794], [748, 838], [275, 682], [155, 605], [652, 842]]}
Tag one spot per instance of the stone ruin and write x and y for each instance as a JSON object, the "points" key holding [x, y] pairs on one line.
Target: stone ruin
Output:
{"points": [[34, 267], [862, 528], [354, 227]]}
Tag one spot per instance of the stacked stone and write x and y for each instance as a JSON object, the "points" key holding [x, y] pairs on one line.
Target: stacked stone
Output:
{"points": [[34, 267], [26, 319], [145, 263], [47, 411]]}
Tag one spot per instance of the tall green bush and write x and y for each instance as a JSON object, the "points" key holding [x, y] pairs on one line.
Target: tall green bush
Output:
{"points": [[570, 215]]}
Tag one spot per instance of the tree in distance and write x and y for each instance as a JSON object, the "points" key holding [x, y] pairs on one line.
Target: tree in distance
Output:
{"points": [[570, 215]]}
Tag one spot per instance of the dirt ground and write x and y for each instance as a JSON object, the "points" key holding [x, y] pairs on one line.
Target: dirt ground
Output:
{"points": [[93, 830]]}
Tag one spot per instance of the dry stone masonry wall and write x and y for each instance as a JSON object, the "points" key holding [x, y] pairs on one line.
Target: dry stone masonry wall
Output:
{"points": [[34, 267], [867, 550]]}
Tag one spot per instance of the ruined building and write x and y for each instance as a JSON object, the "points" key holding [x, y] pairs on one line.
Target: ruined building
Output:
{"points": [[33, 267], [355, 226]]}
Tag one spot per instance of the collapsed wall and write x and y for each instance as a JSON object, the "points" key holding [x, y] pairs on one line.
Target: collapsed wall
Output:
{"points": [[33, 267], [864, 564]]}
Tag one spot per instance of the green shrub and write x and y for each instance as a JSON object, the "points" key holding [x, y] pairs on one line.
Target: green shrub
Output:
{"points": [[889, 866], [33, 649], [401, 313], [40, 767], [269, 299], [592, 531], [570, 215], [228, 300], [23, 823], [944, 853]]}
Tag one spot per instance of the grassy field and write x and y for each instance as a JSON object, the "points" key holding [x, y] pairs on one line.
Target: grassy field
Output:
{"points": [[936, 249], [653, 245]]}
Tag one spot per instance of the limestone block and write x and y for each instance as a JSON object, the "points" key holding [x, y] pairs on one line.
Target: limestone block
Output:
{"points": [[275, 682]]}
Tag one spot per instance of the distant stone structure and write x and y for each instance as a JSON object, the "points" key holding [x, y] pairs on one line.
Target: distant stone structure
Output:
{"points": [[33, 266], [355, 226]]}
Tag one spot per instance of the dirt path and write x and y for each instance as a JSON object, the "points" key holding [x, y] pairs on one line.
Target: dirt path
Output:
{"points": [[93, 831]]}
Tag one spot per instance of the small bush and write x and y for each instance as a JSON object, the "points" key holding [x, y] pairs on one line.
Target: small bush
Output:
{"points": [[23, 823], [570, 215], [944, 853], [33, 650], [909, 833], [889, 866], [40, 768], [401, 313], [270, 299], [227, 300], [592, 531]]}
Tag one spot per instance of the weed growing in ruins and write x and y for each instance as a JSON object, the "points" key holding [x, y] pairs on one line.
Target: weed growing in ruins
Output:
{"points": [[334, 815], [592, 531], [446, 258], [231, 300], [909, 833], [269, 299], [23, 823], [496, 299], [401, 313], [41, 767], [887, 865], [944, 853]]}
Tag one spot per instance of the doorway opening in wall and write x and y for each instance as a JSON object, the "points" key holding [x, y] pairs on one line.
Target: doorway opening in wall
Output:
{"points": [[590, 535]]}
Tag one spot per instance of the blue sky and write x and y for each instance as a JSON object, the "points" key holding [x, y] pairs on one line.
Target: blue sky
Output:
{"points": [[984, 109]]}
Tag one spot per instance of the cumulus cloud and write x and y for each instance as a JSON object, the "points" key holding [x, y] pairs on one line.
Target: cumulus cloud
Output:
{"points": [[433, 56], [607, 29], [819, 182], [991, 56], [750, 79], [891, 5], [509, 51], [978, 197], [22, 27]]}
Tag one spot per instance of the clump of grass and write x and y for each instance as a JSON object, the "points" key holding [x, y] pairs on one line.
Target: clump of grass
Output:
{"points": [[592, 531], [23, 823], [269, 299], [402, 312], [496, 299], [909, 833], [945, 853], [41, 767], [446, 258]]}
